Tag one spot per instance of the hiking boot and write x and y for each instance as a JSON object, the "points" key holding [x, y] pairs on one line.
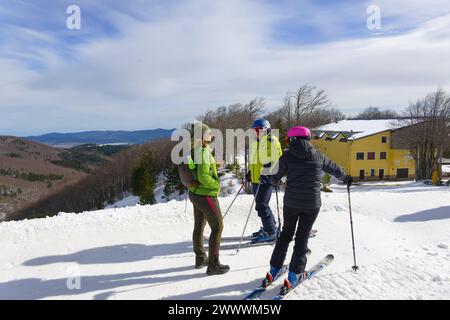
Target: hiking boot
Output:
{"points": [[217, 269], [201, 262]]}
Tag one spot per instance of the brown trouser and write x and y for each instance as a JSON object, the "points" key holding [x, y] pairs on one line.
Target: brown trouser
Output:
{"points": [[206, 209]]}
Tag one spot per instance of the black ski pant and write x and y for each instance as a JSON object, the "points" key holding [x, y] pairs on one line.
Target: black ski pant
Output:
{"points": [[262, 207], [302, 220]]}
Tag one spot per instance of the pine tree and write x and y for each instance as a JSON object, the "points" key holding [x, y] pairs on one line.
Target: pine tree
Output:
{"points": [[143, 180], [326, 182], [172, 181]]}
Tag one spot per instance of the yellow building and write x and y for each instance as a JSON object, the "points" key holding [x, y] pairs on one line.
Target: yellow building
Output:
{"points": [[365, 149]]}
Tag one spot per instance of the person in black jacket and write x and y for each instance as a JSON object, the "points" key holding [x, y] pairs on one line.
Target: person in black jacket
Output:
{"points": [[303, 166]]}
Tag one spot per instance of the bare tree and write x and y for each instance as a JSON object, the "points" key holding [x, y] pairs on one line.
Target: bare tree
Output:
{"points": [[323, 116], [427, 132], [306, 100], [371, 113], [286, 111], [308, 106], [253, 110]]}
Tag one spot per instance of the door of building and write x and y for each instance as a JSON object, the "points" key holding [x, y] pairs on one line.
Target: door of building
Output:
{"points": [[402, 173]]}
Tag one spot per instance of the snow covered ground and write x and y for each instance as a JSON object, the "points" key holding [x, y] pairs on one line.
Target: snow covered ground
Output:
{"points": [[144, 252]]}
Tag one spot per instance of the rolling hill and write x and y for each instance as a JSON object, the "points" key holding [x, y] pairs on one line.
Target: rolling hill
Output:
{"points": [[31, 170], [101, 137]]}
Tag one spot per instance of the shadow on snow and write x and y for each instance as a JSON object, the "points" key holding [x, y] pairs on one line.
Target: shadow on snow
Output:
{"points": [[441, 213], [115, 254], [105, 286]]}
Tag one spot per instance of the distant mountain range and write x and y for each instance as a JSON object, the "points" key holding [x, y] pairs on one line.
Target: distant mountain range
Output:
{"points": [[101, 137]]}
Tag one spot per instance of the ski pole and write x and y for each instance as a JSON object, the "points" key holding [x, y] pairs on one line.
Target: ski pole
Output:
{"points": [[355, 267], [232, 202], [248, 217], [186, 200], [278, 211]]}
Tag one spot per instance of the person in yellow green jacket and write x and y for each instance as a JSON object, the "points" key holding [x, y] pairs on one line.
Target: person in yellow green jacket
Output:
{"points": [[204, 197], [262, 157]]}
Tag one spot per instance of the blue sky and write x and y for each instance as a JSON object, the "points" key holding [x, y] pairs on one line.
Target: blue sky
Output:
{"points": [[144, 64]]}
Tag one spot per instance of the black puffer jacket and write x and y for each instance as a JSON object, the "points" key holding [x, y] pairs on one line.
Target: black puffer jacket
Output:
{"points": [[303, 165]]}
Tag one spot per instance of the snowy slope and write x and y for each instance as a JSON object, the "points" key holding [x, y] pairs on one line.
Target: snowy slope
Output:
{"points": [[144, 252]]}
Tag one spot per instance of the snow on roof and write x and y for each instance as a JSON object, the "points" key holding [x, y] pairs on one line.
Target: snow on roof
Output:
{"points": [[357, 129]]}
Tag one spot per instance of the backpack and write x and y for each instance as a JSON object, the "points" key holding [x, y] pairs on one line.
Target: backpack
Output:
{"points": [[186, 171]]}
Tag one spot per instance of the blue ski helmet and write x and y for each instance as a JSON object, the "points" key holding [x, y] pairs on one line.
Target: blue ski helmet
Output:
{"points": [[261, 123]]}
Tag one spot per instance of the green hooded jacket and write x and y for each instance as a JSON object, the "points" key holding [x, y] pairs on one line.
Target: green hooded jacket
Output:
{"points": [[205, 172]]}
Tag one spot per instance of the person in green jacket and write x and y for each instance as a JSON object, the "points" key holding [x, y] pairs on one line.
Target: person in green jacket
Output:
{"points": [[204, 197], [264, 154]]}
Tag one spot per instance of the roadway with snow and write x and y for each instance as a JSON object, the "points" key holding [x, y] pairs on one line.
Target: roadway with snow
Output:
{"points": [[144, 252]]}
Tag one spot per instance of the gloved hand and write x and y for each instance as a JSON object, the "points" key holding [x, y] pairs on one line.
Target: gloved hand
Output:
{"points": [[264, 180], [248, 177], [348, 180], [275, 184], [194, 184]]}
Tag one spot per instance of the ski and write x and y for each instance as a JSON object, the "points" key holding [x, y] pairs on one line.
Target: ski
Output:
{"points": [[258, 292], [325, 262], [246, 245], [312, 234]]}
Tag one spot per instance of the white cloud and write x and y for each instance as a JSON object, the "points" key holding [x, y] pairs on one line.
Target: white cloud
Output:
{"points": [[163, 72]]}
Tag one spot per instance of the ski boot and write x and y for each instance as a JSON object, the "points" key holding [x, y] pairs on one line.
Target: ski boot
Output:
{"points": [[257, 233], [265, 237], [292, 281], [270, 276]]}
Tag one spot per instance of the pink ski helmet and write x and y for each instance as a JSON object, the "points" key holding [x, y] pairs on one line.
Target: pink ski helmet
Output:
{"points": [[299, 132]]}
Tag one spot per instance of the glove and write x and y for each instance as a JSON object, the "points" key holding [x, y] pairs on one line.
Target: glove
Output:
{"points": [[348, 180], [195, 184], [264, 180], [248, 177], [275, 184]]}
